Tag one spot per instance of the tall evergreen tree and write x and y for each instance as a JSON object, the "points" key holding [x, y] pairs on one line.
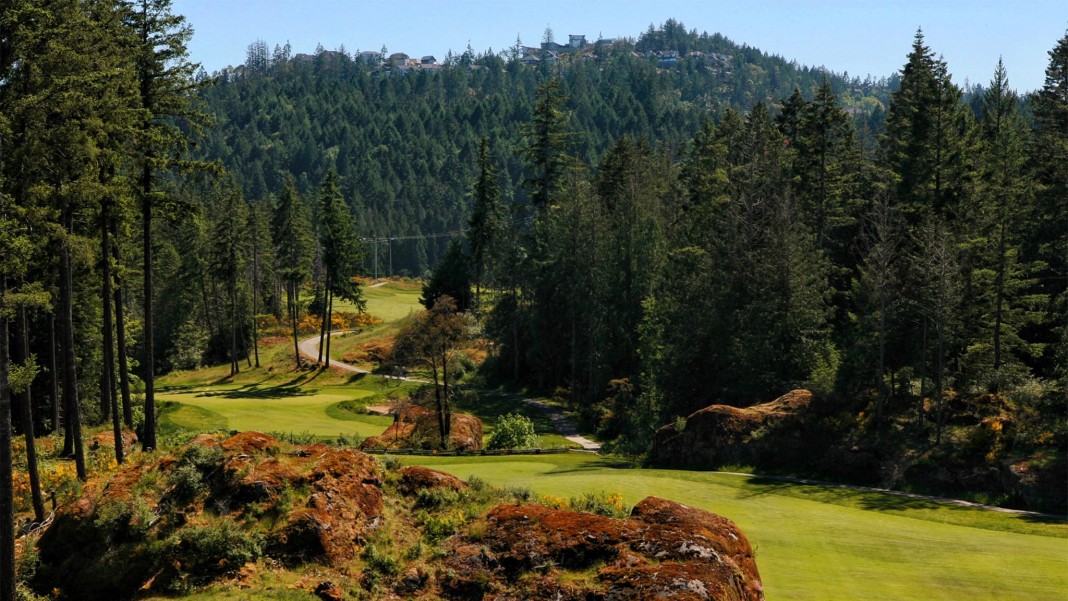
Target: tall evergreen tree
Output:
{"points": [[1050, 217], [546, 141], [228, 264], [1002, 304], [293, 244], [166, 84], [342, 255], [485, 219]]}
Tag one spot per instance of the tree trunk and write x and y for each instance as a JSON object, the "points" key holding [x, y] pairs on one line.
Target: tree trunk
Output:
{"points": [[54, 373], [70, 373], [291, 297], [939, 367], [998, 309], [27, 426], [882, 362], [329, 323], [7, 500], [440, 406], [107, 381], [255, 299], [235, 363], [207, 306], [120, 338], [322, 314], [446, 410]]}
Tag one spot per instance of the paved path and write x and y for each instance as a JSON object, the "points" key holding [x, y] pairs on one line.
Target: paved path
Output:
{"points": [[563, 424], [309, 348]]}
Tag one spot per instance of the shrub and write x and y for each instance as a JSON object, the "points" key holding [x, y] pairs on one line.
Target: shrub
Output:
{"points": [[186, 483], [437, 527], [123, 519], [436, 498], [601, 504], [214, 550], [514, 431], [378, 562]]}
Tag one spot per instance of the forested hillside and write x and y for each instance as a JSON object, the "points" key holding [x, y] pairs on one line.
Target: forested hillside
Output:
{"points": [[404, 141], [918, 287]]}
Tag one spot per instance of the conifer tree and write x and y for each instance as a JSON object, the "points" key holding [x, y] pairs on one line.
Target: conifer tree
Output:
{"points": [[165, 80], [262, 271], [292, 236], [342, 256], [1050, 217], [230, 247], [546, 140], [485, 219], [1000, 306]]}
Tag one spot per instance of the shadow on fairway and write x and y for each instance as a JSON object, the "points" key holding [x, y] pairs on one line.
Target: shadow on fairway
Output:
{"points": [[252, 391], [600, 463]]}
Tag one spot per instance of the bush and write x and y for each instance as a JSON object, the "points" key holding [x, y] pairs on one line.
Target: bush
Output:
{"points": [[514, 431], [438, 527], [378, 562], [436, 498], [123, 519], [214, 550]]}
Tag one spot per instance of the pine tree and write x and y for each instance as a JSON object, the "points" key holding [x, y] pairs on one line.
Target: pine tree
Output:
{"points": [[485, 219], [451, 277], [293, 243], [1050, 217], [342, 255], [165, 80], [228, 264], [1001, 303], [262, 271], [546, 141]]}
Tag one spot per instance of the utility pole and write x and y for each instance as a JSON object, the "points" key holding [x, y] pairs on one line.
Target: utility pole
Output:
{"points": [[376, 257], [391, 257]]}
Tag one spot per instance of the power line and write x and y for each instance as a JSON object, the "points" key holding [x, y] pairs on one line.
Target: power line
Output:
{"points": [[413, 237]]}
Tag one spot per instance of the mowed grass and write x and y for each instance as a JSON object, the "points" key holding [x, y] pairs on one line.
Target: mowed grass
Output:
{"points": [[826, 543], [392, 302], [273, 398]]}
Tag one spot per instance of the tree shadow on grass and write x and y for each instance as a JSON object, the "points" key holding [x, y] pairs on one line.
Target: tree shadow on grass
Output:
{"points": [[255, 392], [845, 495], [600, 463]]}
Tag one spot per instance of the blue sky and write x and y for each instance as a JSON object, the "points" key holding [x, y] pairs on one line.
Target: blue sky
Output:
{"points": [[860, 37]]}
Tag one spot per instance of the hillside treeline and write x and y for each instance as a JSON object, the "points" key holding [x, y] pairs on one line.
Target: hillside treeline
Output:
{"points": [[404, 142], [773, 252]]}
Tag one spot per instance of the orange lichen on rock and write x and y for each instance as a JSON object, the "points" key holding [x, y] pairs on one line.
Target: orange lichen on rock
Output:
{"points": [[417, 427], [415, 478], [721, 434], [664, 550]]}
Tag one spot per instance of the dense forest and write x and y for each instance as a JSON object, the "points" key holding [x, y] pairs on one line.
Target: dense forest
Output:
{"points": [[404, 142], [648, 230]]}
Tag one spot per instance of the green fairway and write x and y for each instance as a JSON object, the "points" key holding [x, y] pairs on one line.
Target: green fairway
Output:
{"points": [[824, 543], [390, 302], [237, 410]]}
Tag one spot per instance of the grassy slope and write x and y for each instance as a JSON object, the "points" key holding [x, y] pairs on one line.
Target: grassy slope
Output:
{"points": [[823, 543]]}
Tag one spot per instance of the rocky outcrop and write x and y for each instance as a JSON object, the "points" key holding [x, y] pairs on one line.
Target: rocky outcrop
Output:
{"points": [[721, 434], [665, 550], [415, 478], [416, 427], [163, 525], [234, 512]]}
